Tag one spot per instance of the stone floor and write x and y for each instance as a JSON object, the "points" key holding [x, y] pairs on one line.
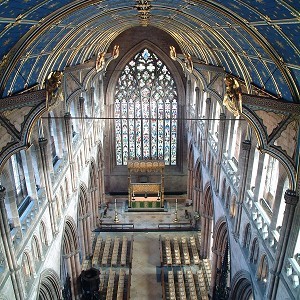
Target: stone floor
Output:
{"points": [[146, 219], [145, 279]]}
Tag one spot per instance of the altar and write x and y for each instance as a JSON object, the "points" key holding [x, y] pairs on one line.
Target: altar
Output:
{"points": [[146, 184]]}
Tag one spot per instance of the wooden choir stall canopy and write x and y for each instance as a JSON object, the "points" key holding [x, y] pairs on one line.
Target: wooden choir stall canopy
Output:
{"points": [[146, 194]]}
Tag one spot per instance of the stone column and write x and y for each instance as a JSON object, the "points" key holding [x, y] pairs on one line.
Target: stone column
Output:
{"points": [[244, 161], [197, 109], [291, 200], [259, 174], [92, 103], [29, 172], [231, 133], [206, 128], [68, 127], [48, 185], [11, 205], [11, 261], [220, 149], [83, 127]]}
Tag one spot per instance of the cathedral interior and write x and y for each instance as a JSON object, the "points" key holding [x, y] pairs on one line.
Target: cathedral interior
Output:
{"points": [[149, 149]]}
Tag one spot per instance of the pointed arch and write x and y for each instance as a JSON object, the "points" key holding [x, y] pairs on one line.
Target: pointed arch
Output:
{"points": [[220, 256], [49, 286], [207, 213], [70, 264], [197, 186], [190, 172], [84, 226], [151, 103], [241, 286], [93, 194]]}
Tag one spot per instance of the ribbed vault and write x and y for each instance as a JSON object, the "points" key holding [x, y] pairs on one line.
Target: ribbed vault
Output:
{"points": [[257, 41]]}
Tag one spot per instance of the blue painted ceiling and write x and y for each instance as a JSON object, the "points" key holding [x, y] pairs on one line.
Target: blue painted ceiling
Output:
{"points": [[256, 40]]}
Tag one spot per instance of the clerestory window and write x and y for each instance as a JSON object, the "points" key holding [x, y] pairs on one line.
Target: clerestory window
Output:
{"points": [[146, 111]]}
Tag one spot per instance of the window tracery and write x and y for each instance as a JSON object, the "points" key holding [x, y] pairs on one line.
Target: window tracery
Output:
{"points": [[146, 111]]}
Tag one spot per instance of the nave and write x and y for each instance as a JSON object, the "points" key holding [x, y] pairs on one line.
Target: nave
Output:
{"points": [[147, 262]]}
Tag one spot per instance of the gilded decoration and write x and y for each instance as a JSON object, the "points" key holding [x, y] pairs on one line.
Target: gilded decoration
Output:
{"points": [[233, 96], [116, 51], [189, 62], [145, 165], [173, 54], [100, 61], [53, 86], [145, 188]]}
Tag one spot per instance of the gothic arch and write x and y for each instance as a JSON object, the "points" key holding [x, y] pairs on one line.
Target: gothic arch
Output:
{"points": [[84, 225], [254, 252], [161, 54], [93, 193], [70, 264], [263, 269], [197, 186], [223, 191], [49, 286], [241, 286], [220, 254], [207, 213], [247, 236], [190, 172]]}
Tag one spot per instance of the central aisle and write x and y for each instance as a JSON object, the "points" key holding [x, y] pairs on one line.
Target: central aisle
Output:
{"points": [[145, 259]]}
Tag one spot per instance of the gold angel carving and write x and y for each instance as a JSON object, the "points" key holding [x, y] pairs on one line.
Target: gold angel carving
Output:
{"points": [[100, 61], [189, 62], [233, 96], [116, 51], [173, 54], [53, 85]]}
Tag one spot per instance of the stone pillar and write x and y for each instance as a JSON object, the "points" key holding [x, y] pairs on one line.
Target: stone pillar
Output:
{"points": [[29, 172], [11, 205], [291, 200], [220, 149], [197, 109], [68, 127], [243, 167], [48, 185], [83, 127], [231, 133], [259, 174], [92, 103], [206, 128], [11, 261]]}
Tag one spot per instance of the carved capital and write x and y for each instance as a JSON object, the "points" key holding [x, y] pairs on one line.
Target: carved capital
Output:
{"points": [[2, 193], [43, 141], [246, 145], [291, 197]]}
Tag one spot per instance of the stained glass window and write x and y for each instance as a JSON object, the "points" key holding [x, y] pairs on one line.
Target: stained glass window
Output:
{"points": [[146, 111]]}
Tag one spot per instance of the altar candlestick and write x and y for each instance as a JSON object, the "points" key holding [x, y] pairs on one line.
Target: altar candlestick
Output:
{"points": [[115, 204], [176, 205]]}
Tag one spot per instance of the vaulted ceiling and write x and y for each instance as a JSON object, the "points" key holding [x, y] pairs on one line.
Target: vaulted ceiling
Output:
{"points": [[255, 40]]}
